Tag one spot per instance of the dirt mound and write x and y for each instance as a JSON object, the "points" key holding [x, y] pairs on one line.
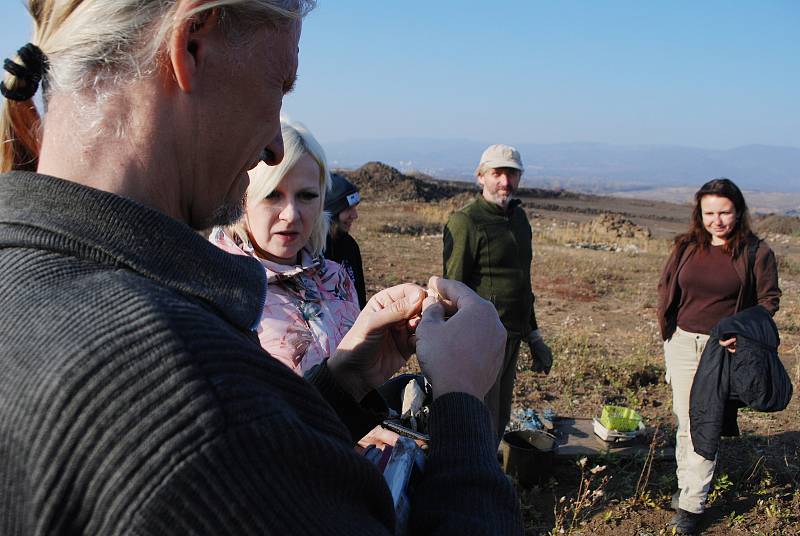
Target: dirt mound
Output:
{"points": [[613, 226], [775, 223], [380, 182]]}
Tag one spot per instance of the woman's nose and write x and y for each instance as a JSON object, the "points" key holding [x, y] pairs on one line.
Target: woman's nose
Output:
{"points": [[289, 211]]}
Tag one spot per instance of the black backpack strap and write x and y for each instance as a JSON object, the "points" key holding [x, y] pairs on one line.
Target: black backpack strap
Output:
{"points": [[752, 249]]}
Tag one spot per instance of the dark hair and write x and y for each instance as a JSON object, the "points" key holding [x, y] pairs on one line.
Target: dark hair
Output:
{"points": [[698, 234]]}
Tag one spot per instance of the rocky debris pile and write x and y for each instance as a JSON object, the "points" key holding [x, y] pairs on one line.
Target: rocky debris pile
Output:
{"points": [[380, 182], [412, 229], [610, 232], [614, 226], [614, 248]]}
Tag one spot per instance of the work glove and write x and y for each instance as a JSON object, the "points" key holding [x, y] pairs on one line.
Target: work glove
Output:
{"points": [[540, 352]]}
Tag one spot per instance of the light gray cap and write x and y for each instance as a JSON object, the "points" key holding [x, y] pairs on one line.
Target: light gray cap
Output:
{"points": [[499, 155]]}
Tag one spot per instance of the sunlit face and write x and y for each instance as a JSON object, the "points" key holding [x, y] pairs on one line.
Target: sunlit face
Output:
{"points": [[499, 184], [281, 224], [347, 217], [243, 121], [719, 217]]}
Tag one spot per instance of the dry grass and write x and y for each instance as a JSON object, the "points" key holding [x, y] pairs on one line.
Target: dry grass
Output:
{"points": [[597, 311]]}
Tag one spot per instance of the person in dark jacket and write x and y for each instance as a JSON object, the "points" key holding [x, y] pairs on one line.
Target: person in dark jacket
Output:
{"points": [[341, 202], [135, 397], [707, 278], [488, 245]]}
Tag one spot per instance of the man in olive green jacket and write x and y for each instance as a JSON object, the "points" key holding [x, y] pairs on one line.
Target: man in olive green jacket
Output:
{"points": [[487, 245]]}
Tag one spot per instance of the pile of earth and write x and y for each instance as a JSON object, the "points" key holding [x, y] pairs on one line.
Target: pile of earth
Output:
{"points": [[614, 226], [380, 182]]}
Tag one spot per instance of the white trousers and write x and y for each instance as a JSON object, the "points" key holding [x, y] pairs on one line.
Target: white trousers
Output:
{"points": [[682, 353]]}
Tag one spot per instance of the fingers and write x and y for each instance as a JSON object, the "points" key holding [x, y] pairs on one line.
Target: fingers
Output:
{"points": [[729, 344], [432, 312], [379, 437], [453, 294], [400, 302], [427, 302]]}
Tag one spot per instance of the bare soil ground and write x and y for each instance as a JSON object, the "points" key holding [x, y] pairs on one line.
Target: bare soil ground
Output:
{"points": [[596, 298]]}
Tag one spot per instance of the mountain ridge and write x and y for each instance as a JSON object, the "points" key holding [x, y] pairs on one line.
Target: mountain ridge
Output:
{"points": [[587, 166]]}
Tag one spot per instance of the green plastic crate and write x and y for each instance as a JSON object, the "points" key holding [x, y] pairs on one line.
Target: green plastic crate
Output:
{"points": [[620, 419]]}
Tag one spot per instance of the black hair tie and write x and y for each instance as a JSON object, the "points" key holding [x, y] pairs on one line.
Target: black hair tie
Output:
{"points": [[31, 73]]}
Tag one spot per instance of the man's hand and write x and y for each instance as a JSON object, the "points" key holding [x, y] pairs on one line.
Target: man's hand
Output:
{"points": [[462, 353], [541, 355], [380, 341]]}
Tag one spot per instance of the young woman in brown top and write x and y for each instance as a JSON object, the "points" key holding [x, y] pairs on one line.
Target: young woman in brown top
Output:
{"points": [[708, 277]]}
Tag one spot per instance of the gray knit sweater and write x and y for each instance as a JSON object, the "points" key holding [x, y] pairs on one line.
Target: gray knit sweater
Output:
{"points": [[135, 398]]}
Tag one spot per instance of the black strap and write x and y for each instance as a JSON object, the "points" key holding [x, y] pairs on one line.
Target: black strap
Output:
{"points": [[752, 249]]}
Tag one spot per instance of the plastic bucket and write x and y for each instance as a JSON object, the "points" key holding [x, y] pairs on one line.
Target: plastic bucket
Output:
{"points": [[528, 455]]}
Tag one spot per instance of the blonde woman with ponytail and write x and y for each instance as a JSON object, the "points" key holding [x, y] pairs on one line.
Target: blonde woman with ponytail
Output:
{"points": [[19, 123], [134, 395]]}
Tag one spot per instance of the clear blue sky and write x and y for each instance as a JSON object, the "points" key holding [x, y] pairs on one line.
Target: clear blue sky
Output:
{"points": [[713, 74]]}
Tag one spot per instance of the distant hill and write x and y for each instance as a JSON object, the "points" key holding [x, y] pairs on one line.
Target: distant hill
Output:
{"points": [[588, 167], [379, 182]]}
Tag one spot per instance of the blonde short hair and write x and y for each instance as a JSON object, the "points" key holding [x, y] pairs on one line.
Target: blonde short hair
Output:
{"points": [[297, 141], [100, 45]]}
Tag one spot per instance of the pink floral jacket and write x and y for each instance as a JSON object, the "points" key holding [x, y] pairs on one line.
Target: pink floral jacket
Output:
{"points": [[308, 309]]}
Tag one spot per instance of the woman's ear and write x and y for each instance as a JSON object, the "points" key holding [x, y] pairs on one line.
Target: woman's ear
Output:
{"points": [[189, 43]]}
